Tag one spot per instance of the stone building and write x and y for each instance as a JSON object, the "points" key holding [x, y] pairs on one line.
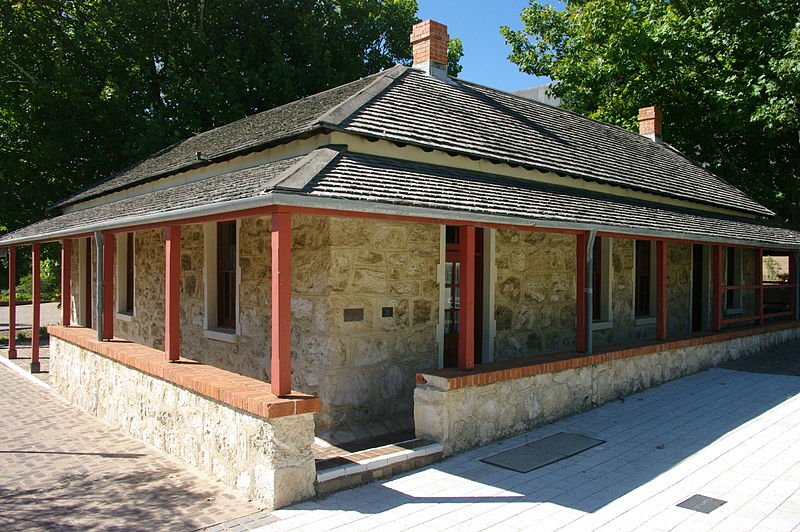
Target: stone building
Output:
{"points": [[405, 252]]}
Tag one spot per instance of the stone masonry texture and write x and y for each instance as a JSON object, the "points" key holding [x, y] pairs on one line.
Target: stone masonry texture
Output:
{"points": [[471, 416], [268, 460]]}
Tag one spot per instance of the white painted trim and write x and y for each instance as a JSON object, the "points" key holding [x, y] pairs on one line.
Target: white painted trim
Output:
{"points": [[122, 316], [489, 284], [440, 279], [121, 275], [639, 322], [80, 301], [606, 292], [602, 325], [221, 336]]}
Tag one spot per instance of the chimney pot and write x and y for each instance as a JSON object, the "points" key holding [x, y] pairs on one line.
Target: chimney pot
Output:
{"points": [[650, 123], [429, 40]]}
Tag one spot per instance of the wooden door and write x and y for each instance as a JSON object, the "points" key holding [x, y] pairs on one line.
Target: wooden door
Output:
{"points": [[452, 305]]}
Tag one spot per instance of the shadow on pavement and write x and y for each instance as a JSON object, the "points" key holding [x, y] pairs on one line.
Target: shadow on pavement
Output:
{"points": [[646, 435], [132, 501]]}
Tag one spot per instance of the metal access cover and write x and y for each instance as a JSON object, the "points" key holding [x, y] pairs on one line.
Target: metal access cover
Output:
{"points": [[701, 503], [543, 452]]}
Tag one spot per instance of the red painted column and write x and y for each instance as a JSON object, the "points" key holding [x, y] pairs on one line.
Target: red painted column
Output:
{"points": [[66, 282], [281, 362], [759, 281], [36, 257], [108, 285], [716, 288], [661, 290], [172, 290], [580, 291], [12, 303], [466, 333]]}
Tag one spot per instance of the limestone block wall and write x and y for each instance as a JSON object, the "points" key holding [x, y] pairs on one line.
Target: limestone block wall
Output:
{"points": [[534, 294], [268, 460], [364, 315], [469, 416], [362, 369], [679, 289], [249, 355], [146, 326]]}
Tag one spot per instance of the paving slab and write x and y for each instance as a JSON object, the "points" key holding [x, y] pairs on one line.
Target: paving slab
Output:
{"points": [[62, 469], [727, 433]]}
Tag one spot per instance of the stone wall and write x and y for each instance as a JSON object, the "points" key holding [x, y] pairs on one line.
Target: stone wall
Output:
{"points": [[679, 290], [146, 326], [363, 366], [534, 294], [268, 460], [471, 416], [363, 370]]}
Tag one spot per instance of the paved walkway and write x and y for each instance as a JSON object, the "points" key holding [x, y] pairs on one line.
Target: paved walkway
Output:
{"points": [[50, 314], [728, 434], [62, 469]]}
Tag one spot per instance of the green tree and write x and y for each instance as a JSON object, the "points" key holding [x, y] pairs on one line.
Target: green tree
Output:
{"points": [[90, 86], [726, 74], [455, 51]]}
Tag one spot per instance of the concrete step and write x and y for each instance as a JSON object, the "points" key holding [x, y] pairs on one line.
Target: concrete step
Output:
{"points": [[361, 467]]}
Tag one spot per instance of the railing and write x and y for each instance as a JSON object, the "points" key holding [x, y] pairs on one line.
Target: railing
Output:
{"points": [[780, 301]]}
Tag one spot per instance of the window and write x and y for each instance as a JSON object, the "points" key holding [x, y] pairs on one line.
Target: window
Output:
{"points": [[644, 278], [733, 277], [226, 275], [221, 280], [125, 273], [601, 280]]}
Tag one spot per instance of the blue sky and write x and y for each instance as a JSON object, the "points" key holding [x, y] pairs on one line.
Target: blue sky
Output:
{"points": [[477, 23]]}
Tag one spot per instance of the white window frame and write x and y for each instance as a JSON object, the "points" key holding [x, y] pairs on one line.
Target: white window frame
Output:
{"points": [[82, 300], [211, 330], [121, 281], [606, 318], [738, 266], [650, 319]]}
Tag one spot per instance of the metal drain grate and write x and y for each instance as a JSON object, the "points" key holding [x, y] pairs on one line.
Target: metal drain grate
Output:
{"points": [[543, 452], [701, 503]]}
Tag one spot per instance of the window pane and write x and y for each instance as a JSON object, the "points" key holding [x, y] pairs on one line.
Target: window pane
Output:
{"points": [[597, 279], [226, 275], [643, 278]]}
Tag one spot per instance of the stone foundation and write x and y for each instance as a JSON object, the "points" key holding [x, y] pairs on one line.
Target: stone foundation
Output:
{"points": [[462, 410], [267, 459]]}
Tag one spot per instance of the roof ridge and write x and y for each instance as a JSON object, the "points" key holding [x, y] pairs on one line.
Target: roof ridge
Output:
{"points": [[341, 112], [297, 176]]}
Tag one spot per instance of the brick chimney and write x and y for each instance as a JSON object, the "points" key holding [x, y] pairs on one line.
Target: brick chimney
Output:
{"points": [[429, 40], [650, 123]]}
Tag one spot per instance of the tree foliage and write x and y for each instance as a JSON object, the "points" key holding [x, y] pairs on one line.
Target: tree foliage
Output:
{"points": [[90, 86], [726, 74]]}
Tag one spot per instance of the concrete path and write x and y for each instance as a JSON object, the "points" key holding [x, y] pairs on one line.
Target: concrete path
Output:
{"points": [[727, 434], [61, 469], [50, 315]]}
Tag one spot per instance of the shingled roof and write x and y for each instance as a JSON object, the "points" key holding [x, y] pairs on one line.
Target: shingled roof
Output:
{"points": [[335, 179], [406, 106]]}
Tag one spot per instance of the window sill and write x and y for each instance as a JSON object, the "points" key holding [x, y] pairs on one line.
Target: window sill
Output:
{"points": [[648, 320], [602, 325], [123, 316], [733, 311], [221, 335]]}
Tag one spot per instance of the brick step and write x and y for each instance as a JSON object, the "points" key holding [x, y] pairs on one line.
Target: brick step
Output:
{"points": [[361, 467]]}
